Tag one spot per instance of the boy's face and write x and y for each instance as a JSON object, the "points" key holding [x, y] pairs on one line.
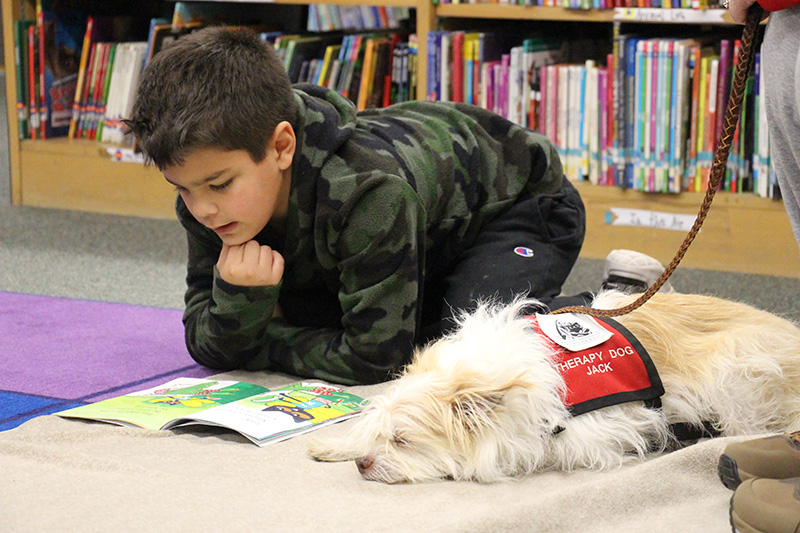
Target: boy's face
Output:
{"points": [[229, 193]]}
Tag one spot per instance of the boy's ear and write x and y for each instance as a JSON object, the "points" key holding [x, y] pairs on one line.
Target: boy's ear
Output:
{"points": [[285, 142]]}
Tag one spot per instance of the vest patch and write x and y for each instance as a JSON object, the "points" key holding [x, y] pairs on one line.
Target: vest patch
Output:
{"points": [[615, 371]]}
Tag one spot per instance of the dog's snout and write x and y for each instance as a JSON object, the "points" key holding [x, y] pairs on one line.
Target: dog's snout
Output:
{"points": [[365, 463]]}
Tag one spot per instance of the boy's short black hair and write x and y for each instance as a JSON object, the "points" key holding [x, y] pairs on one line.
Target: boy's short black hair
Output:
{"points": [[218, 88]]}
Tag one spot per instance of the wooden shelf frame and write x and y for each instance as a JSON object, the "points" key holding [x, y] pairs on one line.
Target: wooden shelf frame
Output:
{"points": [[742, 232]]}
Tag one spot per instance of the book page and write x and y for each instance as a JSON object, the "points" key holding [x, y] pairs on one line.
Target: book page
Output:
{"points": [[281, 413], [153, 408]]}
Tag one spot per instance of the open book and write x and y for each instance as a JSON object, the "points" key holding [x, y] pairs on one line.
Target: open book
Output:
{"points": [[260, 414]]}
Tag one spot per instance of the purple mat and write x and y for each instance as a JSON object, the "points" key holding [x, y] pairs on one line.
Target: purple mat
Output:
{"points": [[57, 352]]}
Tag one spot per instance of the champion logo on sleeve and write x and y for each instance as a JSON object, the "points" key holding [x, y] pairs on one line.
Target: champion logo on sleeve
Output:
{"points": [[523, 251]]}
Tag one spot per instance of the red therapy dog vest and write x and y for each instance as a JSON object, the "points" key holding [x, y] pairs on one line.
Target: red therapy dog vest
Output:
{"points": [[616, 371]]}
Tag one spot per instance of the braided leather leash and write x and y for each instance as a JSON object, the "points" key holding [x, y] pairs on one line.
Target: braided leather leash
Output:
{"points": [[746, 52]]}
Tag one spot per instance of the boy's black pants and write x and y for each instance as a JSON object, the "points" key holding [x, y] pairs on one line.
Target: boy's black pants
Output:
{"points": [[528, 250]]}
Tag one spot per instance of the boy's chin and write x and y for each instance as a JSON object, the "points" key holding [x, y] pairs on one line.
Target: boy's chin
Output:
{"points": [[234, 241], [236, 236]]}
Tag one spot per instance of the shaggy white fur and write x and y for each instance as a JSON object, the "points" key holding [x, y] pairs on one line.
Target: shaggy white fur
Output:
{"points": [[484, 403]]}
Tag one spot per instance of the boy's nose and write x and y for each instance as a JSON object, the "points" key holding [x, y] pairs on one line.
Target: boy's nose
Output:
{"points": [[203, 209]]}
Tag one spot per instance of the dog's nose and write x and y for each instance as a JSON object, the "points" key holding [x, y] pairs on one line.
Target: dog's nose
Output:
{"points": [[364, 464]]}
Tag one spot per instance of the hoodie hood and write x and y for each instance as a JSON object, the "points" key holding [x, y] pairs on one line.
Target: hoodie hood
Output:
{"points": [[325, 121]]}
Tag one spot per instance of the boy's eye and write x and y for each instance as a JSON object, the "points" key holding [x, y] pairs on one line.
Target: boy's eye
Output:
{"points": [[220, 186]]}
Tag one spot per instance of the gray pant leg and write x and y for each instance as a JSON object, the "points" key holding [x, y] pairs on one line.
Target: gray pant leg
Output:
{"points": [[781, 76]]}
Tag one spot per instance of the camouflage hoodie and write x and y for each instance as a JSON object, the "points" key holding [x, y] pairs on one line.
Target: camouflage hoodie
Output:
{"points": [[378, 201]]}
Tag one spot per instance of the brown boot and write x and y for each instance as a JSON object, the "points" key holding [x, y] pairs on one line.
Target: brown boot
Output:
{"points": [[775, 457], [766, 506]]}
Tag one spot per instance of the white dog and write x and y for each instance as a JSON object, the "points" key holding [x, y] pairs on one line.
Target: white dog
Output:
{"points": [[486, 403]]}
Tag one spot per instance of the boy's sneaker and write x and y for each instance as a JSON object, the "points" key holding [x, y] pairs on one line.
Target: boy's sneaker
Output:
{"points": [[766, 506], [632, 272], [774, 457]]}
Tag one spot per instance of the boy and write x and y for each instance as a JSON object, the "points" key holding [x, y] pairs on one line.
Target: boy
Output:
{"points": [[327, 243]]}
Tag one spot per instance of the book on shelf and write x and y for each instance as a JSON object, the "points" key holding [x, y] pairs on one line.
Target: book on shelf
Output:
{"points": [[33, 84], [162, 35], [626, 102], [724, 85], [154, 23], [63, 70], [647, 116], [379, 91], [662, 125], [470, 67], [471, 62], [262, 415], [764, 181], [112, 78], [98, 29], [199, 12], [81, 108], [216, 13], [747, 138], [325, 69], [694, 65], [605, 96], [403, 87], [702, 109], [457, 71], [710, 119], [434, 57], [367, 73], [679, 113], [372, 69], [100, 92], [729, 182], [643, 112], [21, 61], [111, 63], [78, 99], [347, 56], [301, 50], [332, 17], [57, 49], [444, 63], [40, 82], [128, 64]]}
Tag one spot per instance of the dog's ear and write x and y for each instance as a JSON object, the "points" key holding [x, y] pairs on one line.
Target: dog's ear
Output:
{"points": [[478, 396], [472, 408]]}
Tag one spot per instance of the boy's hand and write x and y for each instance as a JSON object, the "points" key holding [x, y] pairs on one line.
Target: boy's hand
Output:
{"points": [[250, 265]]}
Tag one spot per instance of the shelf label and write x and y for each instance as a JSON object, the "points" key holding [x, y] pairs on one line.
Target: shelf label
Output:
{"points": [[642, 218], [125, 155], [651, 14]]}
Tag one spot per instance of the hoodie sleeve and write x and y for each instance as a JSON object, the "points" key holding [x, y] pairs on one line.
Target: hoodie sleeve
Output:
{"points": [[376, 242], [225, 325]]}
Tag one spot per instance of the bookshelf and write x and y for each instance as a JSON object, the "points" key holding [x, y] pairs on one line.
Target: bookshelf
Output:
{"points": [[80, 175]]}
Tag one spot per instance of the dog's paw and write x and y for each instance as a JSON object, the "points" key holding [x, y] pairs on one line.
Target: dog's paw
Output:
{"points": [[332, 449]]}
